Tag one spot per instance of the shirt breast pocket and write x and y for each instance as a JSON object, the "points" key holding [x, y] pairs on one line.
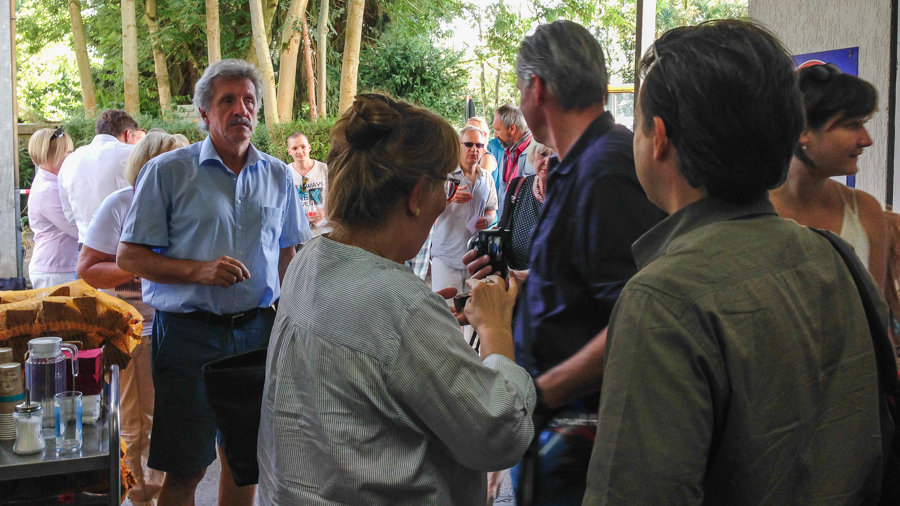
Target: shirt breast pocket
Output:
{"points": [[271, 225]]}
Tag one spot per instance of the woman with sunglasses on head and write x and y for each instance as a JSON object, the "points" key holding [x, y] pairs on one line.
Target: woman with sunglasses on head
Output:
{"points": [[837, 108], [371, 397], [472, 207], [55, 253]]}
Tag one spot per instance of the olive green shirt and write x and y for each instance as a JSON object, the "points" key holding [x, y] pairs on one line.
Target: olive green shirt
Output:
{"points": [[739, 369]]}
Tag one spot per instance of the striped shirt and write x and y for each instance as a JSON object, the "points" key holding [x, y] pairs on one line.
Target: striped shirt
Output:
{"points": [[371, 396]]}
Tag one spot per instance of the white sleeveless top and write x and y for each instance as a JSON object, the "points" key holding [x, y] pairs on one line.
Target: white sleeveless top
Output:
{"points": [[853, 232]]}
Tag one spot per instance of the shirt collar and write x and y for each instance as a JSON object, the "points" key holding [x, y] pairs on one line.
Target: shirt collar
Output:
{"points": [[208, 153], [706, 211], [103, 139], [520, 146], [598, 128]]}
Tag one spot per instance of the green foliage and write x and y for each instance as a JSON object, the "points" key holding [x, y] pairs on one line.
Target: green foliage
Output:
{"points": [[413, 69]]}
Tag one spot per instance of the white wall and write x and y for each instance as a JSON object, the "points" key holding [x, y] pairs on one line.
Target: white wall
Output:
{"points": [[807, 26]]}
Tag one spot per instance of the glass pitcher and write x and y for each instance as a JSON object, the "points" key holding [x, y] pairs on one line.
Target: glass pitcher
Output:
{"points": [[45, 372]]}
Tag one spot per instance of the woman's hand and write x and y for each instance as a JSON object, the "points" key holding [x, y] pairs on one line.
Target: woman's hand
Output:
{"points": [[462, 196], [491, 303]]}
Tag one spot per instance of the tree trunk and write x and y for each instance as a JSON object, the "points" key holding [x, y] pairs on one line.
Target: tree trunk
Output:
{"points": [[81, 56], [310, 77], [497, 89], [322, 56], [350, 63], [269, 8], [213, 46], [159, 58], [270, 101], [287, 66], [129, 57]]}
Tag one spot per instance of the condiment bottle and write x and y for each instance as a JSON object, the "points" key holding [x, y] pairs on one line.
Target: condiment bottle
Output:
{"points": [[29, 417]]}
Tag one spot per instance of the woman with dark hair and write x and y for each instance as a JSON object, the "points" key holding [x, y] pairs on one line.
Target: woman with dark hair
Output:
{"points": [[837, 106], [371, 397]]}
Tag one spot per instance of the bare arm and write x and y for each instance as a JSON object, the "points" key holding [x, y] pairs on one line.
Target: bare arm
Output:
{"points": [[578, 376], [872, 218], [99, 269], [145, 263], [284, 260]]}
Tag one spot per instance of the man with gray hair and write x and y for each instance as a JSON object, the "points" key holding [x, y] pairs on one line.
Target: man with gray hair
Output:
{"points": [[211, 230], [594, 209], [515, 138]]}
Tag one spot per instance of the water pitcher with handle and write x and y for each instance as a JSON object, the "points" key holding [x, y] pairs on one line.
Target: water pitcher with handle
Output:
{"points": [[45, 372]]}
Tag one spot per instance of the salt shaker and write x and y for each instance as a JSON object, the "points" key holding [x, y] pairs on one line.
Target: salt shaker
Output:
{"points": [[29, 417]]}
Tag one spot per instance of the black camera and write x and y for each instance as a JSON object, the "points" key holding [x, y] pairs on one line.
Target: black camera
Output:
{"points": [[496, 244]]}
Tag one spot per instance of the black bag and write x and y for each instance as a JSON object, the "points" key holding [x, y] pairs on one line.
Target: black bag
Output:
{"points": [[234, 386], [886, 366]]}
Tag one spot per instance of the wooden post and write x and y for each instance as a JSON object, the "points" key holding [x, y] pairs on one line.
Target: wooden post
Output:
{"points": [[212, 31], [84, 65], [129, 57]]}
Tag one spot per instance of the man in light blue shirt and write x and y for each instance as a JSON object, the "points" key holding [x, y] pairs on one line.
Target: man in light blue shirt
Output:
{"points": [[212, 230]]}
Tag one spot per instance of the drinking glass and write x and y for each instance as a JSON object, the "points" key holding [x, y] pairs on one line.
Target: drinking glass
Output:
{"points": [[68, 406]]}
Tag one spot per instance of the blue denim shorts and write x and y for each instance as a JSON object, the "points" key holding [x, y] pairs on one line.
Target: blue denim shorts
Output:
{"points": [[183, 437]]}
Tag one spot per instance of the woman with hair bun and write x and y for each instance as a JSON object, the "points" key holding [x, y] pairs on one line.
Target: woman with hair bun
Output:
{"points": [[837, 107], [55, 238], [371, 397]]}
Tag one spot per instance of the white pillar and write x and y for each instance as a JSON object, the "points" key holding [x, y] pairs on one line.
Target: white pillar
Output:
{"points": [[9, 169], [645, 34]]}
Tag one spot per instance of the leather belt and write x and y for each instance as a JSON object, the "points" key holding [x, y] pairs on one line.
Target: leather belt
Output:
{"points": [[228, 320]]}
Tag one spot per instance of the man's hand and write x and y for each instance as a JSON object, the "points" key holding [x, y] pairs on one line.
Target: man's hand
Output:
{"points": [[482, 223], [223, 271], [477, 265], [462, 196]]}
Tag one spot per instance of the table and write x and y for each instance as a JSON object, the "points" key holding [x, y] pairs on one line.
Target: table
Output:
{"points": [[100, 450]]}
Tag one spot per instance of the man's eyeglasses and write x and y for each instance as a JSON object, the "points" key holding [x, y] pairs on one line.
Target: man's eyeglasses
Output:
{"points": [[823, 73], [478, 145]]}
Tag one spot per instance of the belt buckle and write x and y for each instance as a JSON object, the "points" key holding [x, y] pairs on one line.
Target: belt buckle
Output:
{"points": [[236, 317]]}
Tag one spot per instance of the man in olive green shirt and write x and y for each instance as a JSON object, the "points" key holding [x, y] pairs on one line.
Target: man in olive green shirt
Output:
{"points": [[739, 368]]}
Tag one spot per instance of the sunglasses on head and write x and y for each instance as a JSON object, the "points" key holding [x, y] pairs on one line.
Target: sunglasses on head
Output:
{"points": [[58, 133], [824, 73], [479, 145]]}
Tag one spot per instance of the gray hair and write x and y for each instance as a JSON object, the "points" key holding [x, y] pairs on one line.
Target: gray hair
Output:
{"points": [[471, 128], [512, 115], [569, 60], [226, 69]]}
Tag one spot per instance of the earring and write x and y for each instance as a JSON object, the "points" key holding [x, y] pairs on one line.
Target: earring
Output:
{"points": [[803, 147], [417, 212]]}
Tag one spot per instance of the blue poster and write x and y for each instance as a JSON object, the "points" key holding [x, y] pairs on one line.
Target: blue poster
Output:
{"points": [[846, 59]]}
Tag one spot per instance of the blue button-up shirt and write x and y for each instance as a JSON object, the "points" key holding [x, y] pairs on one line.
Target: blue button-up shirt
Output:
{"points": [[189, 205], [581, 249]]}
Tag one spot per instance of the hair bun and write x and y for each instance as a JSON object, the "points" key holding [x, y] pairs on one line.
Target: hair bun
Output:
{"points": [[371, 119]]}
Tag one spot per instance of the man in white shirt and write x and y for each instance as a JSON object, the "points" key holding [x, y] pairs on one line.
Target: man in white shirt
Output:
{"points": [[310, 180], [93, 172]]}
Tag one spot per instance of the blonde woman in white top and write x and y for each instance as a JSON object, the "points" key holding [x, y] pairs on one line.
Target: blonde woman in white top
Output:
{"points": [[837, 108]]}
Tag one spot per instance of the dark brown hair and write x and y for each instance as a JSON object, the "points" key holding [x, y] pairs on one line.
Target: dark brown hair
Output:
{"points": [[380, 149], [114, 122]]}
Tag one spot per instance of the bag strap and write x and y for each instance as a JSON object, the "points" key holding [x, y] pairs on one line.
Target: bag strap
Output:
{"points": [[884, 354], [510, 205]]}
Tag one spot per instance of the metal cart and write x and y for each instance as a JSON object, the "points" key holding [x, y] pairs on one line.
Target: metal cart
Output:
{"points": [[100, 451]]}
